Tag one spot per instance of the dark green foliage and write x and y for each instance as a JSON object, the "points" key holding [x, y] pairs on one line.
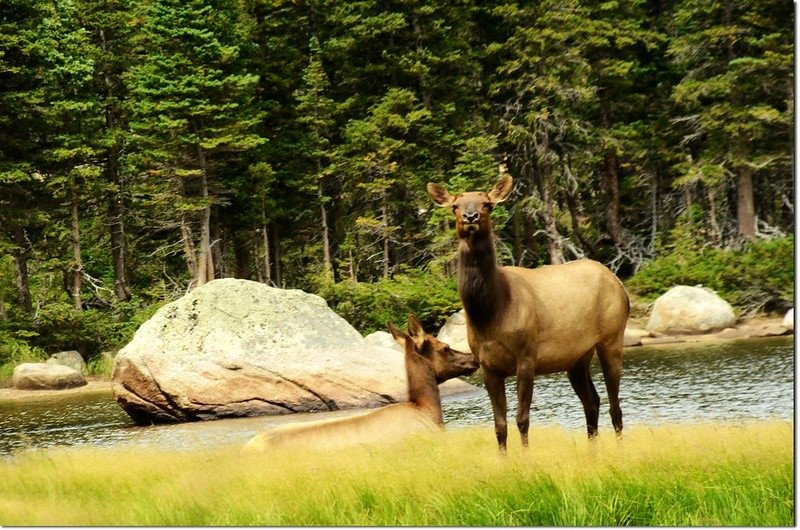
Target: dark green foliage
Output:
{"points": [[369, 306], [758, 277], [143, 145]]}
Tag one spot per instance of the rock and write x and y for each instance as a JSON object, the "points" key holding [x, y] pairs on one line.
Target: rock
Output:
{"points": [[633, 336], [733, 333], [71, 358], [43, 376], [240, 348], [637, 333], [650, 341], [770, 330], [685, 309], [788, 320], [630, 340], [383, 339], [454, 332]]}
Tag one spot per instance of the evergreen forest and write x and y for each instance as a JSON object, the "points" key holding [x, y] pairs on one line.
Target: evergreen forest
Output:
{"points": [[148, 147]]}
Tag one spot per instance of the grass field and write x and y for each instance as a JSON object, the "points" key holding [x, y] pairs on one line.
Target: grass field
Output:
{"points": [[706, 475]]}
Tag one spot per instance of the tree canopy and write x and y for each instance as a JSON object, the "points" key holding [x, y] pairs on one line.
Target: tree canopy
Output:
{"points": [[149, 147]]}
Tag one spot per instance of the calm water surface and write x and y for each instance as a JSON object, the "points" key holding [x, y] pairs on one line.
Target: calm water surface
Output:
{"points": [[731, 381]]}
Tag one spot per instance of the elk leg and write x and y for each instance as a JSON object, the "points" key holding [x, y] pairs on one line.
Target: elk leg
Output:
{"points": [[611, 361], [495, 385], [524, 399], [581, 381]]}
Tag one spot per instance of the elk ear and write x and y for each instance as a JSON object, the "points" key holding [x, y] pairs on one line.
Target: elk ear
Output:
{"points": [[502, 189], [439, 195], [416, 331], [398, 335]]}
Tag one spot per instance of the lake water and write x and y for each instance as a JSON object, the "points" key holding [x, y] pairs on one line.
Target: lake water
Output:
{"points": [[730, 381]]}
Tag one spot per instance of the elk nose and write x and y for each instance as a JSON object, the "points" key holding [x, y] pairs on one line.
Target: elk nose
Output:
{"points": [[471, 217]]}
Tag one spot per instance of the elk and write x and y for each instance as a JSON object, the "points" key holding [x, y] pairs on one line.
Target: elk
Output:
{"points": [[428, 362], [524, 322]]}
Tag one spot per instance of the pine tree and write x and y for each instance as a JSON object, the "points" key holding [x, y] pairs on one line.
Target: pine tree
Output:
{"points": [[736, 99], [192, 105], [315, 111]]}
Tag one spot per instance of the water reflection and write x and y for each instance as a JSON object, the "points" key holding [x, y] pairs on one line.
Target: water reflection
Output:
{"points": [[683, 383], [727, 381]]}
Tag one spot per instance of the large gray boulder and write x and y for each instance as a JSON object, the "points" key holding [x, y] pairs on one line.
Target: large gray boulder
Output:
{"points": [[43, 376], [240, 348], [70, 358], [685, 309]]}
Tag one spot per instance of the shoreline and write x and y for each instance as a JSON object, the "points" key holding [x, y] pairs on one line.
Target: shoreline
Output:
{"points": [[636, 336]]}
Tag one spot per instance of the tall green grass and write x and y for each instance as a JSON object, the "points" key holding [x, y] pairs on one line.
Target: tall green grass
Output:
{"points": [[675, 476]]}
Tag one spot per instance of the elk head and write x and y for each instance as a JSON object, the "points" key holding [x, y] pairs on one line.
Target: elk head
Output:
{"points": [[472, 209], [445, 362]]}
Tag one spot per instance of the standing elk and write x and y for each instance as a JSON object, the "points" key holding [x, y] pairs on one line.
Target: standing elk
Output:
{"points": [[525, 322], [428, 362]]}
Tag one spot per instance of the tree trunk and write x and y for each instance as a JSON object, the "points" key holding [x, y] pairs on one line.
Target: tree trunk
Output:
{"points": [[276, 241], [77, 269], [554, 246], [326, 240], [265, 234], [241, 253], [188, 249], [23, 284], [115, 206], [745, 203], [218, 248], [716, 234], [385, 217], [205, 270], [610, 181], [117, 232], [575, 213], [3, 314]]}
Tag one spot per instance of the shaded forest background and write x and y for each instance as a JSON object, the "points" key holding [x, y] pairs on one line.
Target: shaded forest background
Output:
{"points": [[148, 147]]}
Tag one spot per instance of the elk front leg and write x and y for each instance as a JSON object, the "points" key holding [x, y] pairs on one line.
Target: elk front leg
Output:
{"points": [[495, 385], [524, 399]]}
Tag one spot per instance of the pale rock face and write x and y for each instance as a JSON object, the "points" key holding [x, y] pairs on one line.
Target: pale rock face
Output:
{"points": [[241, 348], [454, 332], [43, 376], [71, 358], [788, 320], [685, 309]]}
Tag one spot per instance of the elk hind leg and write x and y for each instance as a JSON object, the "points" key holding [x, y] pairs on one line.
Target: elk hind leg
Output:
{"points": [[581, 380], [524, 398], [611, 362]]}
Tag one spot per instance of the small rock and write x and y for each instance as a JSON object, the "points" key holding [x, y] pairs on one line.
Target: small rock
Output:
{"points": [[685, 309], [637, 333], [43, 376], [383, 339], [771, 330], [788, 320], [70, 358], [631, 340], [666, 339], [733, 333]]}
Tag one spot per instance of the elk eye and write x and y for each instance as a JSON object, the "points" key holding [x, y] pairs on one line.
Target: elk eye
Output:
{"points": [[489, 206], [455, 208]]}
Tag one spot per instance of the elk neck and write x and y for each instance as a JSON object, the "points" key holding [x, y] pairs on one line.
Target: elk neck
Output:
{"points": [[423, 391], [483, 289]]}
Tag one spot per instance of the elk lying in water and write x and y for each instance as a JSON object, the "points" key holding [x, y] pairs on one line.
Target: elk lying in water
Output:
{"points": [[525, 322], [428, 362]]}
